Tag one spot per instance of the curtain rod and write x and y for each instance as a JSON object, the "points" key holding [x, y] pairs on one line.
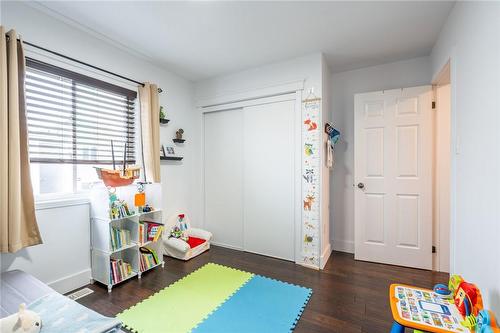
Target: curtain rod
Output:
{"points": [[86, 64]]}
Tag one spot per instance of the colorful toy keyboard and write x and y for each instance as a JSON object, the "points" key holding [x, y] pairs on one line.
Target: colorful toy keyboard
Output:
{"points": [[424, 310]]}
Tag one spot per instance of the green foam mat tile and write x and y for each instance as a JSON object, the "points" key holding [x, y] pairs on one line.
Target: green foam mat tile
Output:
{"points": [[184, 304]]}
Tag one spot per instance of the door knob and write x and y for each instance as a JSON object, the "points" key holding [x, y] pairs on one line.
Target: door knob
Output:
{"points": [[361, 185]]}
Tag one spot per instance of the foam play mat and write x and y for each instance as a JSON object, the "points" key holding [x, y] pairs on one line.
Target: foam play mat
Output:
{"points": [[217, 298]]}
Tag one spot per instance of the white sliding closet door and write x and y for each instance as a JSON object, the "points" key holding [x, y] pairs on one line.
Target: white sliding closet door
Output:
{"points": [[224, 176], [268, 179]]}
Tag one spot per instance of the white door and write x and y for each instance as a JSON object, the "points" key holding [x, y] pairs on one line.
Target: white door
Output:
{"points": [[393, 177], [269, 179], [223, 170]]}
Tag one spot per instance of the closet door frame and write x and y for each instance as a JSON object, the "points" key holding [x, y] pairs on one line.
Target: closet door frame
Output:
{"points": [[296, 96]]}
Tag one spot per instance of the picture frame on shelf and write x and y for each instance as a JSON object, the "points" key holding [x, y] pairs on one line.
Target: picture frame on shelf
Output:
{"points": [[162, 151], [169, 151]]}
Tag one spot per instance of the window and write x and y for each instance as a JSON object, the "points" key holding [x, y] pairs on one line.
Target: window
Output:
{"points": [[72, 120]]}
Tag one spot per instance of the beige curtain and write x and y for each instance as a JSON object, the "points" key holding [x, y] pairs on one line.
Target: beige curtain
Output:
{"points": [[150, 131], [18, 227]]}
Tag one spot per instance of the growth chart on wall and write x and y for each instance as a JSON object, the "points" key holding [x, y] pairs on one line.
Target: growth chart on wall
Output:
{"points": [[311, 164]]}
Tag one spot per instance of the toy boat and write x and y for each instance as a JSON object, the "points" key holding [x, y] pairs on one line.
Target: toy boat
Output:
{"points": [[116, 178]]}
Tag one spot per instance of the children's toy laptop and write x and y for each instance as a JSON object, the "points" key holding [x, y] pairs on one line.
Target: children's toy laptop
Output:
{"points": [[456, 308]]}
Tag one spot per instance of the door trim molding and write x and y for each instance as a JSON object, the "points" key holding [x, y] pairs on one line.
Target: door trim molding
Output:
{"points": [[251, 102], [295, 96], [221, 100]]}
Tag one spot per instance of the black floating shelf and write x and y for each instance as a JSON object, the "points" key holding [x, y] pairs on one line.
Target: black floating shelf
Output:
{"points": [[171, 158], [164, 121], [178, 140]]}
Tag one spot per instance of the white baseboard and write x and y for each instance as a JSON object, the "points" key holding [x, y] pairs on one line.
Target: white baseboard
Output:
{"points": [[226, 246], [307, 265], [343, 246], [325, 255], [71, 282], [322, 260]]}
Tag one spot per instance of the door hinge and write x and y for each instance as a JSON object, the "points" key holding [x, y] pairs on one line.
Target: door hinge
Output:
{"points": [[433, 105], [434, 249]]}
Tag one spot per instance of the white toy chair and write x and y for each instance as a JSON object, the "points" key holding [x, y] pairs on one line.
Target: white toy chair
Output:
{"points": [[199, 239]]}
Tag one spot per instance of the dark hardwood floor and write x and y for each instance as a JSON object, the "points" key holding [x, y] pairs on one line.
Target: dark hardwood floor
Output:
{"points": [[348, 295]]}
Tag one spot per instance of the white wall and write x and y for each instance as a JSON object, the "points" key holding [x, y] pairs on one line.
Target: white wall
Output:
{"points": [[470, 39], [408, 73], [178, 183], [306, 68], [63, 260]]}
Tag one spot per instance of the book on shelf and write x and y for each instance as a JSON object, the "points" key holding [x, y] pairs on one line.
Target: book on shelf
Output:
{"points": [[148, 258], [149, 231], [119, 238], [119, 270]]}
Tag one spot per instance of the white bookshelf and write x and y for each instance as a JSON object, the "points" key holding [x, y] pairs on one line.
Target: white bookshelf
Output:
{"points": [[101, 226]]}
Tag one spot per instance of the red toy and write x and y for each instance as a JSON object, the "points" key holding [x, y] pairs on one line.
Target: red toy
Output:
{"points": [[467, 299]]}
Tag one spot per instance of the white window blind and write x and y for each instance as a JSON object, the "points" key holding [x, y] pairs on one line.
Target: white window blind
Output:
{"points": [[73, 118]]}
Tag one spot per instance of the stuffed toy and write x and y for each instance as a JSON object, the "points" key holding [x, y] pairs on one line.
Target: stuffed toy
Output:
{"points": [[179, 230], [178, 233], [25, 321]]}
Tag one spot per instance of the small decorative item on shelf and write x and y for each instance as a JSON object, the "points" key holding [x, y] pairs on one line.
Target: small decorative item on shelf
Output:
{"points": [[169, 151], [117, 208], [162, 113], [140, 200], [123, 177], [163, 116], [178, 136], [162, 151], [116, 178], [169, 154]]}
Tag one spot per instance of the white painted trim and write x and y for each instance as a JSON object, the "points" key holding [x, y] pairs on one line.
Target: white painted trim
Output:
{"points": [[323, 259], [298, 176], [250, 102], [66, 201], [267, 255], [453, 162], [442, 204], [308, 266], [232, 247], [269, 91], [451, 62], [343, 245], [71, 282]]}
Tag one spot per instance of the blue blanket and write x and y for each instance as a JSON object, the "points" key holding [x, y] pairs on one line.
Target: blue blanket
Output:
{"points": [[61, 314]]}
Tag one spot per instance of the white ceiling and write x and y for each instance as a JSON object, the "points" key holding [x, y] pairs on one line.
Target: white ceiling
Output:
{"points": [[203, 39]]}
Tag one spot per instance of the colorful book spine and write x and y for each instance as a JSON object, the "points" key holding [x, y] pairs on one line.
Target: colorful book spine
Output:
{"points": [[119, 238], [158, 233], [119, 270], [148, 258], [150, 232]]}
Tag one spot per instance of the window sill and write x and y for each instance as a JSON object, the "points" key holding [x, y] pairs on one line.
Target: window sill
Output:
{"points": [[61, 201]]}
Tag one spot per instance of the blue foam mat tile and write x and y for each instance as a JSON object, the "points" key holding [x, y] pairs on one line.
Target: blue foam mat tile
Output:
{"points": [[261, 305]]}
